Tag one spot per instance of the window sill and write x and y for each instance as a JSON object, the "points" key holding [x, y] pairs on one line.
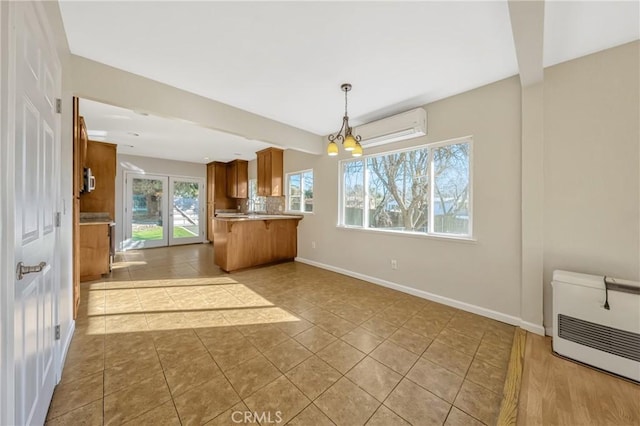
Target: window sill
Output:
{"points": [[439, 237], [298, 212]]}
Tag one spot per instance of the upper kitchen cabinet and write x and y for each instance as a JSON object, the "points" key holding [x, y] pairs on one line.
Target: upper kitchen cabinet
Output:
{"points": [[101, 159], [217, 185], [270, 172], [211, 174], [81, 140], [237, 179], [216, 193]]}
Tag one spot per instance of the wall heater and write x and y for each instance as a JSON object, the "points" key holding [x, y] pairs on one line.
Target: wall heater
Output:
{"points": [[596, 320]]}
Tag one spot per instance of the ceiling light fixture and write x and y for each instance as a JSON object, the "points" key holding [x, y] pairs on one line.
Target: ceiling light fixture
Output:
{"points": [[349, 141]]}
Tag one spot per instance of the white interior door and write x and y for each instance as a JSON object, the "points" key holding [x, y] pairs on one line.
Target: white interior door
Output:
{"points": [[146, 211], [37, 76], [186, 212]]}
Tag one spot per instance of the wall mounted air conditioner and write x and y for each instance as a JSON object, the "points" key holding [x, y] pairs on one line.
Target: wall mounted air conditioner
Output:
{"points": [[596, 320], [406, 125]]}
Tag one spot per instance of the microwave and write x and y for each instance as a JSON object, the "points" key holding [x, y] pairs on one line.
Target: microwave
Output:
{"points": [[89, 183]]}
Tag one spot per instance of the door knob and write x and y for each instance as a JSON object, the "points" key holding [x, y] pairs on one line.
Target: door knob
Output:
{"points": [[22, 270]]}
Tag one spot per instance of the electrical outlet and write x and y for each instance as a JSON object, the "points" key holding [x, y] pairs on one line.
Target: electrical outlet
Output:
{"points": [[313, 244], [394, 264]]}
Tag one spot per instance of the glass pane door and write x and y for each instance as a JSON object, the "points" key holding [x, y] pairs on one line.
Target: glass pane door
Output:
{"points": [[186, 211], [147, 212]]}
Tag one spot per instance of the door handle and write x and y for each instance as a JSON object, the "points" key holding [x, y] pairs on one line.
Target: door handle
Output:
{"points": [[22, 270]]}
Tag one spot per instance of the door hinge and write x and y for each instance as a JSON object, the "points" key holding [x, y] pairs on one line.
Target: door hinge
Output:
{"points": [[58, 219], [57, 332], [59, 106]]}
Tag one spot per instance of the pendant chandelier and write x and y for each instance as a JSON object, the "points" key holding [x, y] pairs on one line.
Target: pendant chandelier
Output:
{"points": [[349, 142]]}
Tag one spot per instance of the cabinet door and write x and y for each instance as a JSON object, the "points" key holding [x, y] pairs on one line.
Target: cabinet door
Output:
{"points": [[210, 182], [220, 184], [261, 174], [267, 174], [270, 172], [84, 141], [210, 216], [94, 251], [276, 173], [242, 179], [232, 174]]}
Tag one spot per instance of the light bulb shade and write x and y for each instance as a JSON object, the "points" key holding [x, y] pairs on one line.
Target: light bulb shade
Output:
{"points": [[357, 151], [332, 149], [349, 143]]}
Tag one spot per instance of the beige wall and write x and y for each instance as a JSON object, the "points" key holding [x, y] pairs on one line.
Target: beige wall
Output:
{"points": [[484, 273], [591, 166], [572, 143]]}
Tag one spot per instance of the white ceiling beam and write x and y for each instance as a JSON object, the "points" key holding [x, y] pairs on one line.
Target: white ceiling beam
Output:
{"points": [[527, 25], [99, 82]]}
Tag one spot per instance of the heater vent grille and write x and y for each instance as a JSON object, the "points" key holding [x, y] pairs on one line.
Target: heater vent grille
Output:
{"points": [[607, 339]]}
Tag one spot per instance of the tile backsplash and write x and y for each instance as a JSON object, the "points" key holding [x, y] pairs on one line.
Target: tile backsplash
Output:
{"points": [[272, 205]]}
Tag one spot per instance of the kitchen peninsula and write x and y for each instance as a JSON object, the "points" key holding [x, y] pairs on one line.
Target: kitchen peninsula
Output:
{"points": [[252, 240]]}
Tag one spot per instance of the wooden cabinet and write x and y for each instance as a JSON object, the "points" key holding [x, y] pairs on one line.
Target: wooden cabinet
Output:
{"points": [[83, 141], [216, 193], [270, 172], [238, 179], [210, 218], [101, 158], [210, 181], [220, 190], [242, 244], [78, 165], [94, 251]]}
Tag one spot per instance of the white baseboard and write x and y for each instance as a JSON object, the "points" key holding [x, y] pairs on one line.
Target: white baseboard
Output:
{"points": [[548, 331], [532, 328], [498, 316], [64, 350]]}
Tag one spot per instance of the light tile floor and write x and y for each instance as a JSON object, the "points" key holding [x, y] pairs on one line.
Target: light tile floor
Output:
{"points": [[170, 339]]}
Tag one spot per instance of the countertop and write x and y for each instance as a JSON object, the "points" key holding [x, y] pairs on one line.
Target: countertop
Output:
{"points": [[96, 222], [96, 218], [244, 218]]}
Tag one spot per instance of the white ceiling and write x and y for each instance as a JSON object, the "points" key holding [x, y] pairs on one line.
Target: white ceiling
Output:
{"points": [[578, 28], [286, 60], [163, 138]]}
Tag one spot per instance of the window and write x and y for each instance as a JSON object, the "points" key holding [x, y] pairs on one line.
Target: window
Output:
{"points": [[256, 203], [423, 190], [300, 191]]}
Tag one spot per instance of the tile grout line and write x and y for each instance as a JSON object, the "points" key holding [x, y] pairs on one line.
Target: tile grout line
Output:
{"points": [[338, 339]]}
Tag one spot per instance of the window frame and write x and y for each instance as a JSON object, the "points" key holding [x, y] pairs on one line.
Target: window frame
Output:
{"points": [[470, 236], [252, 202], [302, 197]]}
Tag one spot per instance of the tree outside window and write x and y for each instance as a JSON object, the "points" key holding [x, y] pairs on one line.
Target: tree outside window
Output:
{"points": [[421, 190]]}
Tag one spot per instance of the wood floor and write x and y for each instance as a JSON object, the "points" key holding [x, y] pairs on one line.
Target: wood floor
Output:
{"points": [[556, 391]]}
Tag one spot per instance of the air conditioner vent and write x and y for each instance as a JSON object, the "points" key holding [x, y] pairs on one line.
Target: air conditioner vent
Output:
{"points": [[607, 339], [406, 125]]}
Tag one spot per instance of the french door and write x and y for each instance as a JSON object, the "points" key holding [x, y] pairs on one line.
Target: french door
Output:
{"points": [[163, 210]]}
